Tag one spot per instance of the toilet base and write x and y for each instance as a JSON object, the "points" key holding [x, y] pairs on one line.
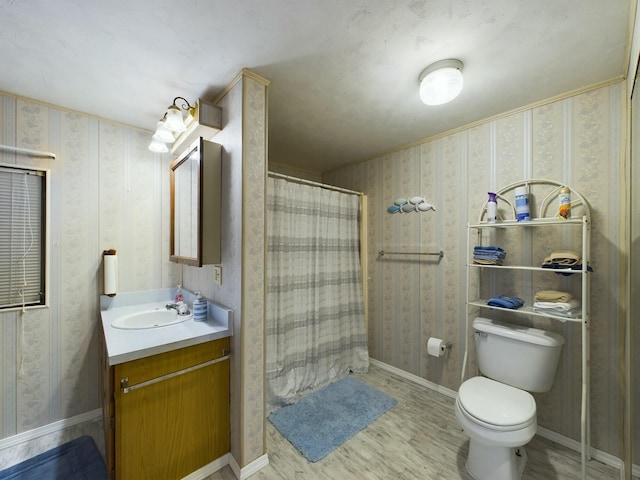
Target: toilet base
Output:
{"points": [[487, 462]]}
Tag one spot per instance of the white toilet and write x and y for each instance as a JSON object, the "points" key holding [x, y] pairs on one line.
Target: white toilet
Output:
{"points": [[498, 413]]}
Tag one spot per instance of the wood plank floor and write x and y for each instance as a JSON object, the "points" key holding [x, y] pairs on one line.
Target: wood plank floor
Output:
{"points": [[417, 439]]}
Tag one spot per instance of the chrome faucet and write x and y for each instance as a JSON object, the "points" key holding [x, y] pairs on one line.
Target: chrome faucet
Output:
{"points": [[181, 308]]}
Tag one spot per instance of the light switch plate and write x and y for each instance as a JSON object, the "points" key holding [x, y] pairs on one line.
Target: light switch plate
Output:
{"points": [[217, 275]]}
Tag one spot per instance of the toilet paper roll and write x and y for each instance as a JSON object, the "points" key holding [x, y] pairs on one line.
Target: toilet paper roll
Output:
{"points": [[435, 347], [110, 261]]}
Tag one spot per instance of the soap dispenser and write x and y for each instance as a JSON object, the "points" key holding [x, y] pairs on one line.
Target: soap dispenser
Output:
{"points": [[179, 298], [199, 308]]}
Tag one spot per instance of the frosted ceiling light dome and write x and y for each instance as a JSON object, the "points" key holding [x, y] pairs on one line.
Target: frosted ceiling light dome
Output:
{"points": [[441, 82]]}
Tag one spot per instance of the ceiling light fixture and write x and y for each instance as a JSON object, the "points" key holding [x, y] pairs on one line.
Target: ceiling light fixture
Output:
{"points": [[183, 122], [441, 82]]}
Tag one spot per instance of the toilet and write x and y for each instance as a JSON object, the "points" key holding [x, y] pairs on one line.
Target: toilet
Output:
{"points": [[496, 410]]}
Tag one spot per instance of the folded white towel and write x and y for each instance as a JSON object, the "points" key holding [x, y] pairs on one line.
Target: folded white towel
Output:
{"points": [[573, 313], [557, 306]]}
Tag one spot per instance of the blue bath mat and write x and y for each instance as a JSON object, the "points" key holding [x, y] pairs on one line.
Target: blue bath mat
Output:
{"points": [[324, 420], [76, 460]]}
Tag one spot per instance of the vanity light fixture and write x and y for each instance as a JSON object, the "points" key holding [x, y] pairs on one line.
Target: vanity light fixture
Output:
{"points": [[172, 124], [183, 123], [441, 82]]}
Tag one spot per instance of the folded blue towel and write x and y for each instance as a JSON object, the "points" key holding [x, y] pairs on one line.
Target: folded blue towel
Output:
{"points": [[488, 247], [488, 252], [505, 302], [484, 256]]}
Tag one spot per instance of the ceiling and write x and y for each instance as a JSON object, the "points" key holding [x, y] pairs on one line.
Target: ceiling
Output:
{"points": [[343, 73]]}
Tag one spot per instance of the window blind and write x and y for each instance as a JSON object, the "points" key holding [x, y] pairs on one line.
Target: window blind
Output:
{"points": [[22, 237]]}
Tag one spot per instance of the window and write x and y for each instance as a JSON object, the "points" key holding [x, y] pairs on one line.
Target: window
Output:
{"points": [[23, 237]]}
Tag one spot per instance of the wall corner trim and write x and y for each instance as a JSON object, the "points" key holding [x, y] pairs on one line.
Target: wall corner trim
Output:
{"points": [[249, 469]]}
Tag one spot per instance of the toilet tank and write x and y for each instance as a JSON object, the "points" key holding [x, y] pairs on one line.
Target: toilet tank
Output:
{"points": [[522, 357]]}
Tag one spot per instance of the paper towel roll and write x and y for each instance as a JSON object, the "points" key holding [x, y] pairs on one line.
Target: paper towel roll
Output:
{"points": [[110, 261], [435, 347]]}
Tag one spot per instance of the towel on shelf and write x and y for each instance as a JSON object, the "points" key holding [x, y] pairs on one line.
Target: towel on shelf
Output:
{"points": [[564, 260], [557, 306], [488, 255], [563, 257], [564, 268], [504, 301], [572, 313], [552, 296]]}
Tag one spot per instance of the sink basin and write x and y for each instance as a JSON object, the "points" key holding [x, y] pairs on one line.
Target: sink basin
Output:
{"points": [[159, 317]]}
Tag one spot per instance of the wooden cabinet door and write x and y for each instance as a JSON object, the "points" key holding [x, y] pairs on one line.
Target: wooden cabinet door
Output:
{"points": [[173, 426]]}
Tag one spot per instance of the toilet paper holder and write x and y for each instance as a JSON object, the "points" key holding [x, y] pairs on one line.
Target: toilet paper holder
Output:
{"points": [[437, 347]]}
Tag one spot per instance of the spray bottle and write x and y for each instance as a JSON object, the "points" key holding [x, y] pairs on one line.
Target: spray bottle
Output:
{"points": [[564, 203], [492, 208]]}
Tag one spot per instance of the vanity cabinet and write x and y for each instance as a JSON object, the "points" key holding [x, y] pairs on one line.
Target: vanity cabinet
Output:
{"points": [[167, 415]]}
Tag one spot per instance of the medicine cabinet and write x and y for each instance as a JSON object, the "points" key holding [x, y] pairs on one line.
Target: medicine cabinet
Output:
{"points": [[195, 205]]}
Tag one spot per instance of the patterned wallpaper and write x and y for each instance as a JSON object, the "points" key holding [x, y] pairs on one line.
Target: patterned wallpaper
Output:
{"points": [[243, 257], [107, 191], [576, 141]]}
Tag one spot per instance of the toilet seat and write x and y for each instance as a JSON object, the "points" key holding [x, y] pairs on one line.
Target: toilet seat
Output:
{"points": [[495, 405]]}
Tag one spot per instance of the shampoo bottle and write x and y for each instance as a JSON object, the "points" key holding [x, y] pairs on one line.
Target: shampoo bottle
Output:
{"points": [[492, 208]]}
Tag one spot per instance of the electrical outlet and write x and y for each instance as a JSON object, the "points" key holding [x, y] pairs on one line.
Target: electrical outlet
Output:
{"points": [[217, 274]]}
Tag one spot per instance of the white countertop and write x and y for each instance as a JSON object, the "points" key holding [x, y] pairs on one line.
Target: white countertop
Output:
{"points": [[124, 345]]}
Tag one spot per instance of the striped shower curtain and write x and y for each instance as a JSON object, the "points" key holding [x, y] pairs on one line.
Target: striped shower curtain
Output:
{"points": [[316, 330]]}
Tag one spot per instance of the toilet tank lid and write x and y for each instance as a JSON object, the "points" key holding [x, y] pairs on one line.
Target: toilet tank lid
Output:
{"points": [[517, 332]]}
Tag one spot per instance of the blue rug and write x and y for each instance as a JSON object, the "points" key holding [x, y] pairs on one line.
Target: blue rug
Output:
{"points": [[324, 420], [75, 460]]}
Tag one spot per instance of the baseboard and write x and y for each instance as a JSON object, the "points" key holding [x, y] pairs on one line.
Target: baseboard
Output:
{"points": [[414, 378], [596, 454], [24, 437], [572, 444], [248, 470], [210, 468]]}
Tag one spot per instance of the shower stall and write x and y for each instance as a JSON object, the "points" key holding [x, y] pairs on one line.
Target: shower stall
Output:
{"points": [[316, 326]]}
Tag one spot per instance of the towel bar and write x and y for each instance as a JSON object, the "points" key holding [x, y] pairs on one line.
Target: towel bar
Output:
{"points": [[439, 254]]}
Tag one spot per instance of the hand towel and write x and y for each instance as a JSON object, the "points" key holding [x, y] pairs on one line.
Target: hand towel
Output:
{"points": [[557, 306], [563, 257], [552, 296], [505, 302]]}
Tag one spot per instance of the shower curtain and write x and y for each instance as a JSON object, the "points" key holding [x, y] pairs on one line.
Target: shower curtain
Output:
{"points": [[316, 330]]}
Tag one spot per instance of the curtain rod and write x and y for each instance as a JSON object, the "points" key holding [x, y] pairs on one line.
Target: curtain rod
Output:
{"points": [[315, 184], [27, 151]]}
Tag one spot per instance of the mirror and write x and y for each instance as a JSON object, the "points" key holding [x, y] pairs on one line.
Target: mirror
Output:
{"points": [[195, 211]]}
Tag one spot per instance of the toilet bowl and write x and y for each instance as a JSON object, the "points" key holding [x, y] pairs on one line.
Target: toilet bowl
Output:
{"points": [[496, 410], [499, 420]]}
